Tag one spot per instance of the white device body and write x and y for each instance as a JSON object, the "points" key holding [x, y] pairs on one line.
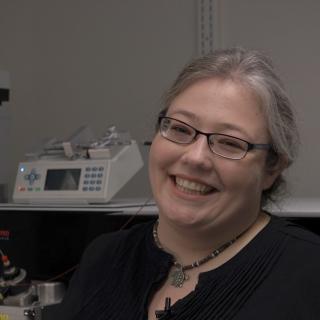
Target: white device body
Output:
{"points": [[80, 181]]}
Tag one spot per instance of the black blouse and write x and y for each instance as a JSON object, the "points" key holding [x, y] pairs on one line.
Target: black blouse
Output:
{"points": [[276, 276]]}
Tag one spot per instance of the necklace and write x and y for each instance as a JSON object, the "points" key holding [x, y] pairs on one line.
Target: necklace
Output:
{"points": [[178, 275]]}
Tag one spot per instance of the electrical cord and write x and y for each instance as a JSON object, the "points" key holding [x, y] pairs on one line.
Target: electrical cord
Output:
{"points": [[132, 217], [71, 269]]}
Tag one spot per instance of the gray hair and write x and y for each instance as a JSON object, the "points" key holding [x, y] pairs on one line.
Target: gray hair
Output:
{"points": [[255, 71]]}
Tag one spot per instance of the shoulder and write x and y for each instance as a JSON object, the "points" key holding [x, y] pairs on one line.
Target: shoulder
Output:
{"points": [[301, 246], [102, 262], [295, 232], [301, 265]]}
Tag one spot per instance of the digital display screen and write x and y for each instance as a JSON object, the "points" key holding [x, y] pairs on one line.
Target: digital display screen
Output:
{"points": [[62, 179]]}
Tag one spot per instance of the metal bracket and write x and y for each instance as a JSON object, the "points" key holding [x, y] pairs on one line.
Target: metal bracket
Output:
{"points": [[205, 26]]}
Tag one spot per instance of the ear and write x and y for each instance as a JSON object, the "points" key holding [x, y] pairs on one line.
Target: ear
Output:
{"points": [[273, 170]]}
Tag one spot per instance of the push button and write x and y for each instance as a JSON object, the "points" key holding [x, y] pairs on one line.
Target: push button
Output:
{"points": [[32, 176]]}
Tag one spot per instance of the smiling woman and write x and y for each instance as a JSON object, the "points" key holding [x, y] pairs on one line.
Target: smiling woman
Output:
{"points": [[224, 137]]}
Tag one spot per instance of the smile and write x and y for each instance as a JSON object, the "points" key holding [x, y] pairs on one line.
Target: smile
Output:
{"points": [[192, 187]]}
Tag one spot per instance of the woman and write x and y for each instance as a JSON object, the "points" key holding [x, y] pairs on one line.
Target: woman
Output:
{"points": [[225, 136]]}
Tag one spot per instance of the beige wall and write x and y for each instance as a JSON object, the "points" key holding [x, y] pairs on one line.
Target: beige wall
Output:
{"points": [[288, 30], [108, 62], [91, 62]]}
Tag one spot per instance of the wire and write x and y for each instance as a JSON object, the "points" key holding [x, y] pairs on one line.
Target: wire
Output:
{"points": [[121, 228], [136, 213], [63, 273]]}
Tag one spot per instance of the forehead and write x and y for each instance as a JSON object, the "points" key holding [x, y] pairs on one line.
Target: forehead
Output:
{"points": [[221, 105]]}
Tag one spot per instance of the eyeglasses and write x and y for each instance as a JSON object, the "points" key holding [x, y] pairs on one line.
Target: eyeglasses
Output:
{"points": [[221, 144]]}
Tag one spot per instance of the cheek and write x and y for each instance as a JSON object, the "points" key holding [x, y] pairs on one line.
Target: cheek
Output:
{"points": [[155, 152], [160, 156], [243, 178]]}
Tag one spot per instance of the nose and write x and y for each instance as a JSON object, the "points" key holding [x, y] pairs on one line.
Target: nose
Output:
{"points": [[198, 154]]}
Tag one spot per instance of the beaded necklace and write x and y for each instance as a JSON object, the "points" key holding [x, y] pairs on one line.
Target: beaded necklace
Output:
{"points": [[178, 275]]}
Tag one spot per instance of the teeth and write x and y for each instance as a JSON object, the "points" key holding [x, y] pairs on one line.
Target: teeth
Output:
{"points": [[192, 187]]}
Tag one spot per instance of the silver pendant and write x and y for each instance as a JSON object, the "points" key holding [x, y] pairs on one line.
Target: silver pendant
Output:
{"points": [[178, 277]]}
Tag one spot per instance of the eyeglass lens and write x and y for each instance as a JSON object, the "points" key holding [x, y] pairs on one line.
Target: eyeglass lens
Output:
{"points": [[223, 145]]}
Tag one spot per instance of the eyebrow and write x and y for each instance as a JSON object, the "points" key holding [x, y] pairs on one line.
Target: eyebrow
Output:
{"points": [[222, 125], [188, 114]]}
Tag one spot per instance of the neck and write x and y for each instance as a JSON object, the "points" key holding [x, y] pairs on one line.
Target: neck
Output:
{"points": [[187, 244]]}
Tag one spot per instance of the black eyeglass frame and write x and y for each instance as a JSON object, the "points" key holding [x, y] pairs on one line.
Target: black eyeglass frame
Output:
{"points": [[250, 146]]}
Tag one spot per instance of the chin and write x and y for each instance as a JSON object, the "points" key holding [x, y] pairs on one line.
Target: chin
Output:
{"points": [[187, 217]]}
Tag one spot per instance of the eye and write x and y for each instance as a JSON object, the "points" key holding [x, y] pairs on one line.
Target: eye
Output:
{"points": [[181, 129], [229, 143], [176, 131]]}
